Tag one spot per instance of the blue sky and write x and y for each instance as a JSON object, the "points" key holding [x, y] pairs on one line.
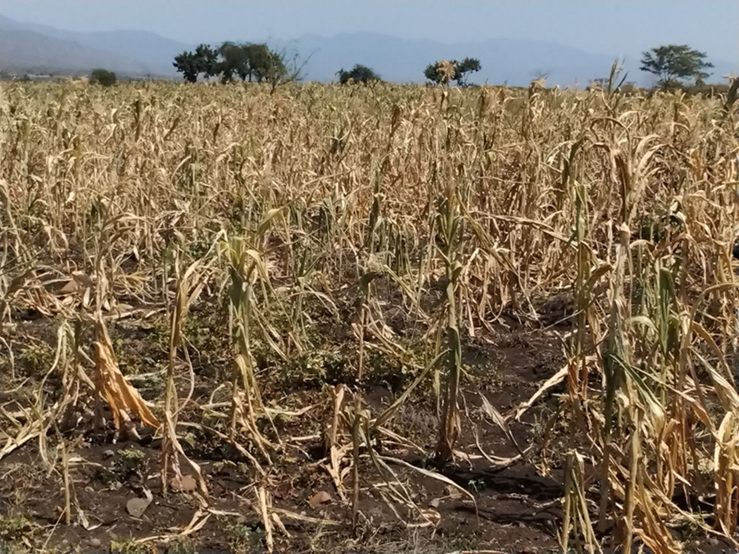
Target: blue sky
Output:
{"points": [[614, 27]]}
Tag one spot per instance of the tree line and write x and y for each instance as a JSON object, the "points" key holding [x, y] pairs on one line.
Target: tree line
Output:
{"points": [[253, 62], [256, 62]]}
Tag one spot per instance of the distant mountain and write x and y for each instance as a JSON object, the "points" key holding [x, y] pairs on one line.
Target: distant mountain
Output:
{"points": [[516, 62], [29, 52], [512, 61], [150, 49], [154, 51]]}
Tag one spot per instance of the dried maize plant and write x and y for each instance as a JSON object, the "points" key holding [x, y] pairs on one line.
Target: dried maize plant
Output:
{"points": [[247, 268], [421, 226], [123, 400], [446, 71], [450, 229], [189, 286]]}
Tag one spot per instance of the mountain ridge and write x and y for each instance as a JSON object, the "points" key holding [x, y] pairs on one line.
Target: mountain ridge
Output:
{"points": [[25, 51], [128, 51]]}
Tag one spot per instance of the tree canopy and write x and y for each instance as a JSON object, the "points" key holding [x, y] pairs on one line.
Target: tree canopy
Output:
{"points": [[673, 63], [358, 74], [231, 60], [103, 77], [442, 72], [203, 61], [250, 62]]}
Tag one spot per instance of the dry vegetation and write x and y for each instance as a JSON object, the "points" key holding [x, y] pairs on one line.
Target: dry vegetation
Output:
{"points": [[226, 276]]}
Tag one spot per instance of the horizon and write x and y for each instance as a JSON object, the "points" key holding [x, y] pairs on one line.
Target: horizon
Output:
{"points": [[566, 40], [709, 27]]}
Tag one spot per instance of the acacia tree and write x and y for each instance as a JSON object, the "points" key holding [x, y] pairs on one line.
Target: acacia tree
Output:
{"points": [[442, 72], [673, 63]]}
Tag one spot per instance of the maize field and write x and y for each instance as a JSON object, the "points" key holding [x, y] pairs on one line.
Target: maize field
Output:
{"points": [[387, 318]]}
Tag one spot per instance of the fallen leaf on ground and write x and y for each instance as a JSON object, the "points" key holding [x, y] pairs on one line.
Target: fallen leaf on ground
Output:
{"points": [[186, 483], [321, 497], [137, 506], [69, 288]]}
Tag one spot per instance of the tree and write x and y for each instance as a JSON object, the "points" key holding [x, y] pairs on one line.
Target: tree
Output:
{"points": [[192, 64], [266, 65], [442, 72], [464, 68], [245, 61], [233, 62], [186, 64], [103, 77], [358, 74], [253, 62], [207, 60], [284, 68], [675, 62]]}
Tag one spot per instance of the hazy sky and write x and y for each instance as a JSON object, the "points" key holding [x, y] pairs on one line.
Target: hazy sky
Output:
{"points": [[609, 27]]}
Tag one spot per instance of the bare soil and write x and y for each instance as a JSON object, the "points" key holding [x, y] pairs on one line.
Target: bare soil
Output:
{"points": [[516, 508]]}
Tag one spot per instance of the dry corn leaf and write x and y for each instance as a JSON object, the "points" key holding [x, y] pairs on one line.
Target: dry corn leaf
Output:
{"points": [[552, 382], [122, 398], [264, 505], [501, 422], [303, 518], [70, 287]]}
